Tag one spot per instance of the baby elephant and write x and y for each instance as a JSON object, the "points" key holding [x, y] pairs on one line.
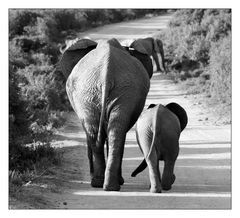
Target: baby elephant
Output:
{"points": [[158, 130]]}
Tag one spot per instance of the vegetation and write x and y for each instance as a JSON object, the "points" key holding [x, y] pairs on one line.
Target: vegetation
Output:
{"points": [[198, 50], [37, 97]]}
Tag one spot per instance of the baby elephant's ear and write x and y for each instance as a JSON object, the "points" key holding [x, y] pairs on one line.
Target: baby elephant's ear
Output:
{"points": [[151, 106], [179, 112], [73, 54]]}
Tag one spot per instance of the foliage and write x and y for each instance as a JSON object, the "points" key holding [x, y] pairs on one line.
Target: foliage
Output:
{"points": [[198, 44], [220, 70]]}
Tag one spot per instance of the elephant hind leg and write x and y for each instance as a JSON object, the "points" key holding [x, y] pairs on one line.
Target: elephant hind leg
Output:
{"points": [[168, 177], [96, 157], [155, 58], [121, 180], [154, 173], [116, 140]]}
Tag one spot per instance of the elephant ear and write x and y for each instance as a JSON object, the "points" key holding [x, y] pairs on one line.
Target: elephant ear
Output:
{"points": [[140, 46], [74, 54], [143, 58], [180, 113]]}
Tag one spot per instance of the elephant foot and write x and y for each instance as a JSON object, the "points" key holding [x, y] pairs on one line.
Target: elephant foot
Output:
{"points": [[111, 188], [97, 182], [156, 190], [121, 181], [168, 186]]}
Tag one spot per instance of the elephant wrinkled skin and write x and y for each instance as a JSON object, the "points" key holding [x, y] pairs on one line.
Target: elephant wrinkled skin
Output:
{"points": [[158, 130], [107, 89]]}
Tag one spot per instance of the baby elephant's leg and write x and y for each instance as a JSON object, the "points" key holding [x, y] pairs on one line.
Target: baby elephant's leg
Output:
{"points": [[154, 173], [168, 177]]}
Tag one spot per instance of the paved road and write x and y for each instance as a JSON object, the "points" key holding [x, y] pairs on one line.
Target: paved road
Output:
{"points": [[203, 168]]}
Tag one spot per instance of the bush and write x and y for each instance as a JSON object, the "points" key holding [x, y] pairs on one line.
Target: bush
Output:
{"points": [[192, 31], [19, 19], [23, 157], [217, 26], [18, 117], [197, 47], [220, 70]]}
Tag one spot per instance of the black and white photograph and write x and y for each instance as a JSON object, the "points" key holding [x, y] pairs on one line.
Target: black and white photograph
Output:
{"points": [[120, 108]]}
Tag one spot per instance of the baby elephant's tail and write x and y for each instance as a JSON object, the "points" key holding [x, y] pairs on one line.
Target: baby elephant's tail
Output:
{"points": [[179, 112], [140, 168]]}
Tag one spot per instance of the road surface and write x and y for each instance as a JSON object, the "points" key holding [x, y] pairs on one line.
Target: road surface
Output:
{"points": [[203, 168]]}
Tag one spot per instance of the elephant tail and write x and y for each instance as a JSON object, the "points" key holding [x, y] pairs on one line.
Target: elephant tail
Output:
{"points": [[140, 168], [102, 116], [143, 164], [106, 86]]}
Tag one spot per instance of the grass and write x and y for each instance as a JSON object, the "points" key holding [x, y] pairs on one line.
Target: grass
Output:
{"points": [[28, 168]]}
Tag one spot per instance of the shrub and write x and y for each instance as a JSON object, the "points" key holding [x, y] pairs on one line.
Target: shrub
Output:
{"points": [[23, 157], [220, 70], [201, 36], [216, 26], [18, 117], [19, 19], [66, 19]]}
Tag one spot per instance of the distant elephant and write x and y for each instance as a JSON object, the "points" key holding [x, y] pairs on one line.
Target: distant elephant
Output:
{"points": [[152, 47], [158, 130], [107, 89]]}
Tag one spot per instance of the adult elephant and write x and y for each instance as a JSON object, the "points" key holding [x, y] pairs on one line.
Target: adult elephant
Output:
{"points": [[107, 89], [158, 130], [152, 47]]}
